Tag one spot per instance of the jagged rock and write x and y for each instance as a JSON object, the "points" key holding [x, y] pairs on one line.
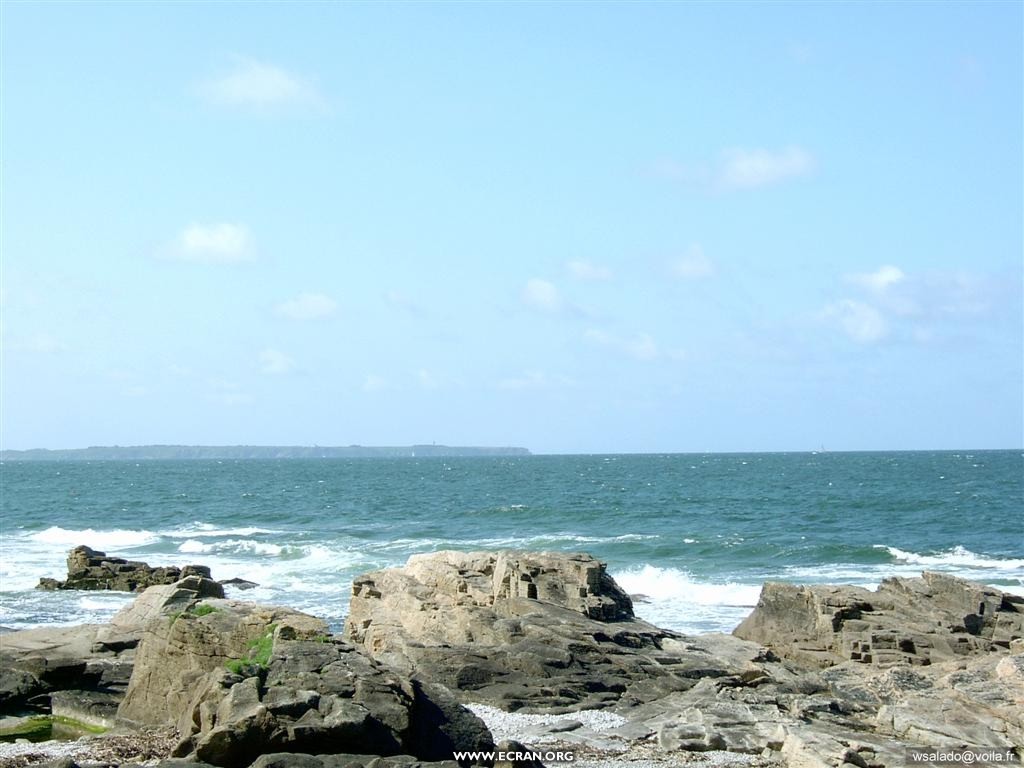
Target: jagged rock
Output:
{"points": [[906, 621], [179, 649], [525, 631], [91, 569], [88, 658], [36, 662], [291, 688], [164, 600]]}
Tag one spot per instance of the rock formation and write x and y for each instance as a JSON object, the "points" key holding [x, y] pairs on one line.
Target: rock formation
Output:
{"points": [[88, 665], [238, 680], [911, 621], [91, 569], [817, 677], [523, 631], [834, 675]]}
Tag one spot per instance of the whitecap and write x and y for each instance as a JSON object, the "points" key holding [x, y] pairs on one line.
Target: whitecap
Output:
{"points": [[674, 584], [958, 556], [113, 539], [206, 530]]}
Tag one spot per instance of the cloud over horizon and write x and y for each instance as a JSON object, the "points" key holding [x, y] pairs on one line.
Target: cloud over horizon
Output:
{"points": [[751, 168], [258, 85], [221, 243], [542, 295]]}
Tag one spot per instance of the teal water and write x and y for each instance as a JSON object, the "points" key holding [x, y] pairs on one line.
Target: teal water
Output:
{"points": [[695, 534]]}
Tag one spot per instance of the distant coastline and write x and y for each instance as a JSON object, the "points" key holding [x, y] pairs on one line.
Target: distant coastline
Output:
{"points": [[241, 452]]}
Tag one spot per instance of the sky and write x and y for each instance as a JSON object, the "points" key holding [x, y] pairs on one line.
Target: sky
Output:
{"points": [[573, 227]]}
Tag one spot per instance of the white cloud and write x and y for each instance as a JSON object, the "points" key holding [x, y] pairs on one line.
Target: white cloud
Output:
{"points": [[541, 295], [861, 322], [880, 280], [694, 265], [751, 168], [307, 306], [275, 362], [585, 270], [257, 85], [640, 346], [918, 307], [222, 243]]}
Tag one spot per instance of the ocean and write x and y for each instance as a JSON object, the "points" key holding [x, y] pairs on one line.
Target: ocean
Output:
{"points": [[691, 536]]}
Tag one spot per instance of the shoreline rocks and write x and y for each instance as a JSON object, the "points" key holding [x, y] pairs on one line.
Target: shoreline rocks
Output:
{"points": [[910, 621], [547, 643], [94, 570]]}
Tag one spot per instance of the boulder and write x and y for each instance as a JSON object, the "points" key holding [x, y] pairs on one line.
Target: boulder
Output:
{"points": [[525, 631], [180, 648], [162, 601], [239, 680], [91, 569], [35, 663], [92, 662], [905, 621]]}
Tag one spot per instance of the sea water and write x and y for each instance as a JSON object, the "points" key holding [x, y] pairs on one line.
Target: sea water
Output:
{"points": [[691, 536]]}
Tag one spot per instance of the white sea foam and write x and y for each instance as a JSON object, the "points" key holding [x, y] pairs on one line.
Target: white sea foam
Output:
{"points": [[672, 598], [958, 556], [102, 540], [199, 530], [233, 546], [674, 584], [106, 601]]}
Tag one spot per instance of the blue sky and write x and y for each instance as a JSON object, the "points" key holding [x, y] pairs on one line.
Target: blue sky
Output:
{"points": [[574, 227]]}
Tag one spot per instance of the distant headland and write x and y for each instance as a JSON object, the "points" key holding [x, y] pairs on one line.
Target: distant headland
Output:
{"points": [[239, 452]]}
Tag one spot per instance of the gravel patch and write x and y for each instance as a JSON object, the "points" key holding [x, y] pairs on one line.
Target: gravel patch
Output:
{"points": [[617, 752], [110, 748], [511, 725]]}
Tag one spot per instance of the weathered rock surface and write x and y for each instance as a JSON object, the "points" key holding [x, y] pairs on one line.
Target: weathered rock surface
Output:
{"points": [[35, 663], [931, 661], [91, 662], [240, 680], [910, 621], [835, 675], [827, 677], [92, 569], [531, 631], [180, 648]]}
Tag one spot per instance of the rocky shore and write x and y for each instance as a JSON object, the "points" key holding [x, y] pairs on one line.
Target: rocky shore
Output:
{"points": [[513, 652]]}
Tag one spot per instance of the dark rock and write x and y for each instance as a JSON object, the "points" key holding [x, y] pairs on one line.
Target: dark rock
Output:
{"points": [[91, 569], [307, 694], [94, 708], [287, 760], [238, 583]]}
